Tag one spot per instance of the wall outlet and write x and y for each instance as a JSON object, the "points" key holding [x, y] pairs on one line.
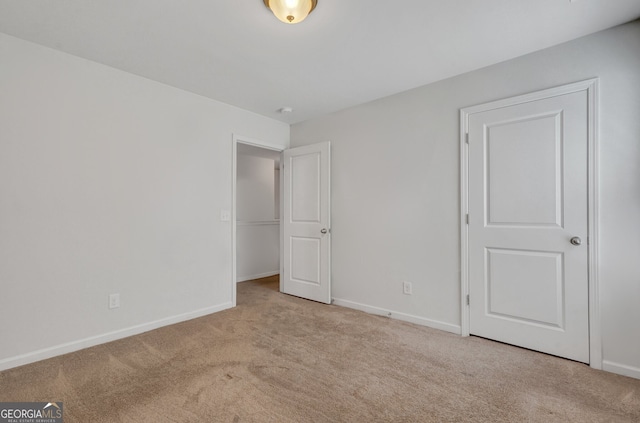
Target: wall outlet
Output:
{"points": [[114, 301], [407, 289], [225, 215]]}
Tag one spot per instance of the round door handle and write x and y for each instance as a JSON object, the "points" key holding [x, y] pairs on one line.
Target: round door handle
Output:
{"points": [[323, 230], [576, 240]]}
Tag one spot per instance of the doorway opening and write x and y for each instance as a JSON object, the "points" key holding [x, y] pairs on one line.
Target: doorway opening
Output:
{"points": [[256, 212]]}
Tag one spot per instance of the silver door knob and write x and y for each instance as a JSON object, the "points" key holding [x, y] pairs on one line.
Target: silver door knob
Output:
{"points": [[576, 240], [323, 230]]}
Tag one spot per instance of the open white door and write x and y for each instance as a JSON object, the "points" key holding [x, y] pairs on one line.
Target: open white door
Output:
{"points": [[306, 221]]}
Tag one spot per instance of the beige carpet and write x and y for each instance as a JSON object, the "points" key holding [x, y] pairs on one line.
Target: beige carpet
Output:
{"points": [[276, 358]]}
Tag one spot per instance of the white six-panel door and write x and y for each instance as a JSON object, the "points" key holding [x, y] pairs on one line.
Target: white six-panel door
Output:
{"points": [[306, 222], [528, 224]]}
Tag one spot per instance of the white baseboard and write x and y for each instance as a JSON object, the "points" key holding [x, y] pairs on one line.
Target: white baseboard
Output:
{"points": [[447, 327], [621, 369], [68, 347], [258, 276]]}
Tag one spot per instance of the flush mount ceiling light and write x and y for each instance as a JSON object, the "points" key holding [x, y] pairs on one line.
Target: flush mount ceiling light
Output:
{"points": [[291, 11]]}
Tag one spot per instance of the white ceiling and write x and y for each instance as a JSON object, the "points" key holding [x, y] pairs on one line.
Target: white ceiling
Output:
{"points": [[345, 53]]}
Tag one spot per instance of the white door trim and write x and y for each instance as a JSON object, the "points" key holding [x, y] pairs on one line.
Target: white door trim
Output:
{"points": [[238, 139], [591, 88]]}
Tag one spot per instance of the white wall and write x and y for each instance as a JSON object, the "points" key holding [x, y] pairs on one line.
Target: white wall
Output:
{"points": [[257, 231], [395, 187], [255, 189], [109, 183]]}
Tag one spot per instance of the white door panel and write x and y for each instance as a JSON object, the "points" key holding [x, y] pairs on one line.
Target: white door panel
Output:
{"points": [[523, 156], [514, 277], [528, 284], [306, 177], [306, 222]]}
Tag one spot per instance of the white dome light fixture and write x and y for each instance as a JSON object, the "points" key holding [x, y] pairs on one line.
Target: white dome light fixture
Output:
{"points": [[291, 11]]}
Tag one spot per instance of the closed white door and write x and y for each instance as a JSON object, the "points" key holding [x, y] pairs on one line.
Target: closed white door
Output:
{"points": [[306, 221], [528, 224]]}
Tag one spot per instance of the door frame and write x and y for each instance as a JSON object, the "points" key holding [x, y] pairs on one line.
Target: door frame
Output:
{"points": [[591, 87], [238, 139]]}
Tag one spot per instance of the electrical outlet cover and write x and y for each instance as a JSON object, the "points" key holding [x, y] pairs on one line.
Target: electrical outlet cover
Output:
{"points": [[114, 301]]}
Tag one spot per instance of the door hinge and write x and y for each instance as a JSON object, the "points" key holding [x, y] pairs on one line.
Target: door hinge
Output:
{"points": [[467, 299], [466, 137], [467, 218]]}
